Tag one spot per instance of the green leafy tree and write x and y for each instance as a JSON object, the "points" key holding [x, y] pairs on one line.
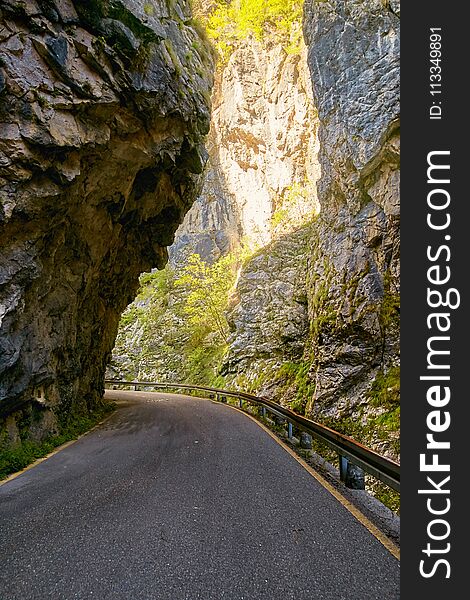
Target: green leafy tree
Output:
{"points": [[207, 287], [232, 21]]}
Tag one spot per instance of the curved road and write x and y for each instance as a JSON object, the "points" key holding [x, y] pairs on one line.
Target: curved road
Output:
{"points": [[178, 498]]}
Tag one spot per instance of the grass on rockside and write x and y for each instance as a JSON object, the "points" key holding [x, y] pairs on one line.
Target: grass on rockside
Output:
{"points": [[15, 459]]}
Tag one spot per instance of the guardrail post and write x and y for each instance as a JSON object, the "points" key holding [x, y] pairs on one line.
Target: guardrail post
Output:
{"points": [[240, 403], [343, 467], [263, 412], [136, 387], [289, 430], [351, 475]]}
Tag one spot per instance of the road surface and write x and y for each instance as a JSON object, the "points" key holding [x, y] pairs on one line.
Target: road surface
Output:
{"points": [[178, 498]]}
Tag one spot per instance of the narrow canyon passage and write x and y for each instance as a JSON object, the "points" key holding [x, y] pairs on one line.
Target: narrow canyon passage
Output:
{"points": [[181, 498]]}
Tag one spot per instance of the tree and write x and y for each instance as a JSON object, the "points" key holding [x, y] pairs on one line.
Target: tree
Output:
{"points": [[207, 287], [230, 21]]}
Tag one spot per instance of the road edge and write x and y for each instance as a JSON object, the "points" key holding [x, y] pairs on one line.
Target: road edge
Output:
{"points": [[63, 446], [365, 521]]}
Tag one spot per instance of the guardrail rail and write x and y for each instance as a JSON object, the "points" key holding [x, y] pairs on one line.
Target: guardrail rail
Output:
{"points": [[349, 450]]}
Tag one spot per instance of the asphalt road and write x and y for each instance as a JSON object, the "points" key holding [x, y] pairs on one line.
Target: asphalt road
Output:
{"points": [[177, 498]]}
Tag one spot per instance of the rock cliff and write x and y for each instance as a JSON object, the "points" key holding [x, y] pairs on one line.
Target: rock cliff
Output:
{"points": [[353, 284], [321, 331], [104, 105], [263, 142], [314, 319], [258, 187], [269, 318]]}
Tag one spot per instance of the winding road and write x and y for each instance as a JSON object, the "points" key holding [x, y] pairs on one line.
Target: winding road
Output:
{"points": [[179, 498]]}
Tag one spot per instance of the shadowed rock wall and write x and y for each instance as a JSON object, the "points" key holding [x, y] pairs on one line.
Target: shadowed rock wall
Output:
{"points": [[103, 109], [353, 284]]}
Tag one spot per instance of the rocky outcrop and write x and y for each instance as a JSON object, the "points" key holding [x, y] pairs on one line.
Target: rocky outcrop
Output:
{"points": [[269, 317], [263, 141], [103, 109], [253, 193], [340, 360], [211, 228], [353, 287], [265, 129], [315, 315]]}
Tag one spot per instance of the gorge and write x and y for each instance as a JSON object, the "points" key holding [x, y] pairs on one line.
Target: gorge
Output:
{"points": [[105, 113], [304, 176]]}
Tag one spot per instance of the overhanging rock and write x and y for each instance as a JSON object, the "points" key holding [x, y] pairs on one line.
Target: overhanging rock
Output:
{"points": [[104, 106]]}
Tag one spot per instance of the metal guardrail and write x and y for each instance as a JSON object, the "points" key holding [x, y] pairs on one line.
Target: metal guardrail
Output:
{"points": [[348, 449]]}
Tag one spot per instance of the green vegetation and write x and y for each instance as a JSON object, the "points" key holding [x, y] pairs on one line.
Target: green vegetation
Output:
{"points": [[385, 394], [207, 288], [387, 496], [367, 431], [385, 390], [174, 57], [15, 458], [390, 309], [294, 208], [230, 22], [296, 376], [324, 313], [177, 328], [380, 429]]}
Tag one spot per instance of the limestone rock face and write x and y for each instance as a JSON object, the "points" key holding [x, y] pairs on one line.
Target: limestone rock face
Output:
{"points": [[265, 131], [259, 186], [317, 315], [269, 318], [103, 109], [263, 139], [211, 228], [354, 61], [353, 285]]}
